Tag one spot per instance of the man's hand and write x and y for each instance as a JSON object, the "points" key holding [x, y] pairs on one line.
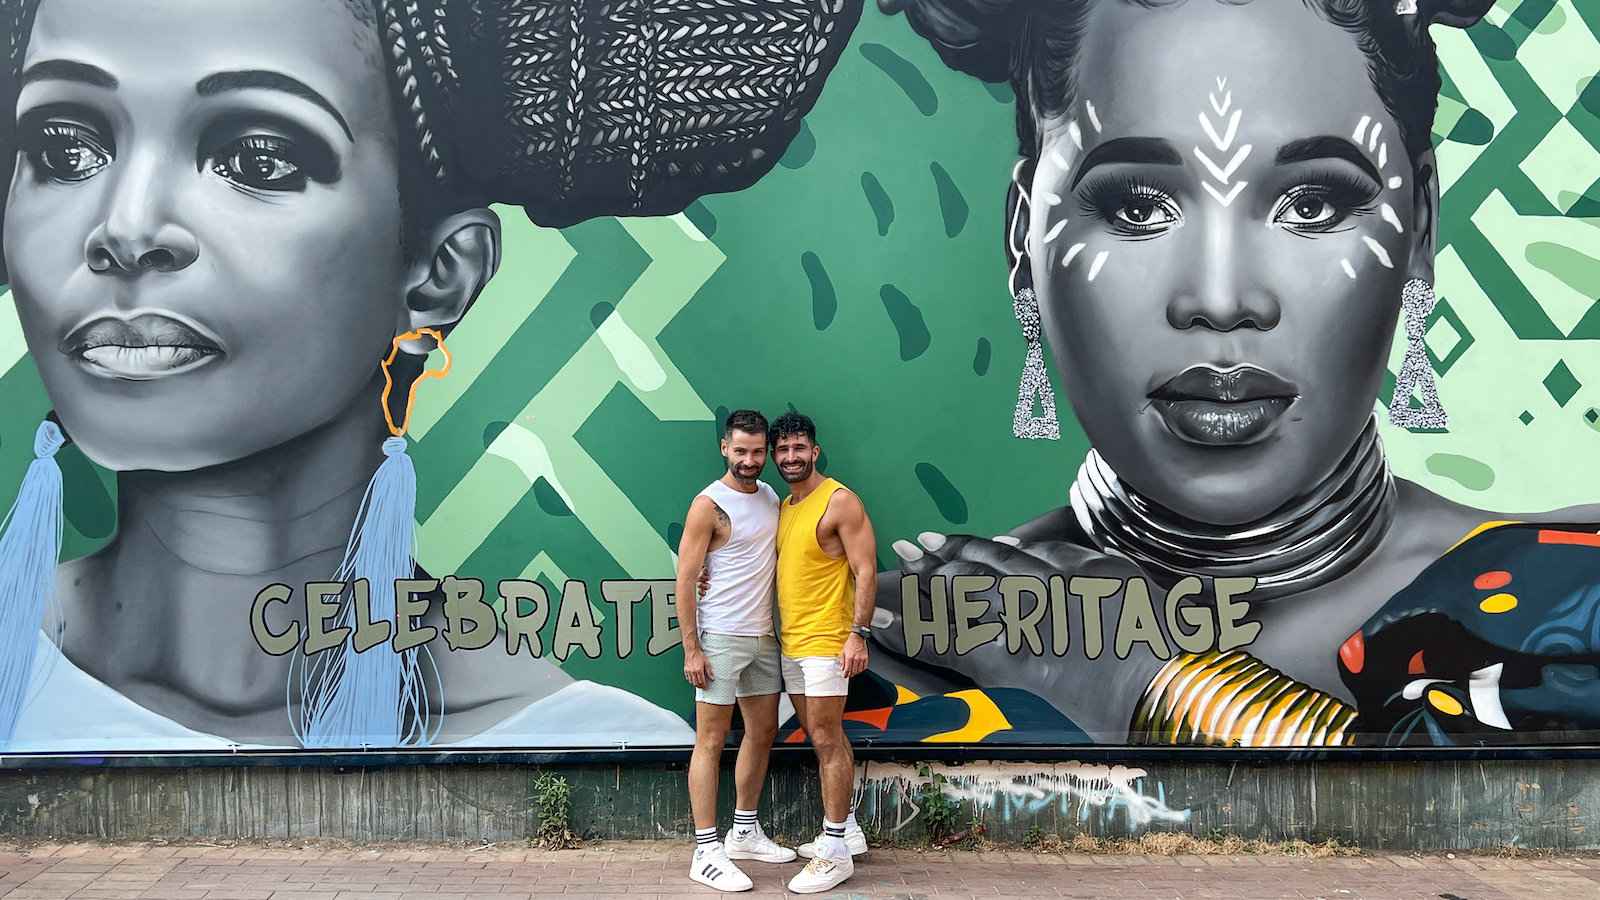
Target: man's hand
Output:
{"points": [[696, 668], [705, 581], [854, 658]]}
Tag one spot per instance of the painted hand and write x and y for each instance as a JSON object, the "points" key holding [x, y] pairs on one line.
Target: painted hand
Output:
{"points": [[696, 668], [1497, 642], [1098, 694], [705, 582]]}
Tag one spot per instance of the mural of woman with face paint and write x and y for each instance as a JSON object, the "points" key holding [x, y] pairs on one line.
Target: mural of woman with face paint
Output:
{"points": [[222, 218], [1221, 212]]}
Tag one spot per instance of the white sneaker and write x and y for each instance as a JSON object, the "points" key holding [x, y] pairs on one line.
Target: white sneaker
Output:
{"points": [[712, 868], [821, 874], [854, 838], [754, 844]]}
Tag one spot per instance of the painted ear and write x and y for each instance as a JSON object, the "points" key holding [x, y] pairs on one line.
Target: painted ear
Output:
{"points": [[1454, 13], [1017, 223]]}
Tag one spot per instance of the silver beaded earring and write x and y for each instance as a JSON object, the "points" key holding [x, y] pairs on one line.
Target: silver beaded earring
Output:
{"points": [[1035, 380], [1416, 373]]}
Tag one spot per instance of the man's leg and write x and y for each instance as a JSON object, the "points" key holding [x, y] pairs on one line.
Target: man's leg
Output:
{"points": [[825, 718], [826, 688], [711, 721], [760, 730]]}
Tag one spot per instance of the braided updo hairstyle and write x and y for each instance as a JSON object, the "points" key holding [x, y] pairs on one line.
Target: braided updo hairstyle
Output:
{"points": [[573, 109], [1033, 45]]}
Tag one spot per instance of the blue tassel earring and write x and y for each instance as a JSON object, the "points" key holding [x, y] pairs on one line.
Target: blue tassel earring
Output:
{"points": [[375, 698], [30, 550]]}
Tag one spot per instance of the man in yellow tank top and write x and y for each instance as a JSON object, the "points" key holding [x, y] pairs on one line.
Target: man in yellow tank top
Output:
{"points": [[827, 579]]}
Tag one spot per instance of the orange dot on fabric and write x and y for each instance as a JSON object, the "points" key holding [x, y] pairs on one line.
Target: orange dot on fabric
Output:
{"points": [[1498, 603], [1492, 581], [1416, 666], [1353, 653], [1445, 703]]}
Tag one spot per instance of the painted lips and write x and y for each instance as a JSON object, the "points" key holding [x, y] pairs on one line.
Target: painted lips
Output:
{"points": [[142, 347], [1223, 407]]}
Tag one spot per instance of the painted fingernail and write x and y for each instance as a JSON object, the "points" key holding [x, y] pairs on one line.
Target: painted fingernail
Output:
{"points": [[882, 618], [1008, 540], [932, 540], [907, 551]]}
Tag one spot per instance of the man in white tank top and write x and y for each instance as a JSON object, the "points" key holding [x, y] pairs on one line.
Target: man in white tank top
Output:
{"points": [[730, 653]]}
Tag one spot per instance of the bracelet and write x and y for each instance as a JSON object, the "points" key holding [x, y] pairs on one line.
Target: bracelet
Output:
{"points": [[1235, 700]]}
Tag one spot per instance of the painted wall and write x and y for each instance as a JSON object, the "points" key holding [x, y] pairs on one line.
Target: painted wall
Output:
{"points": [[208, 268]]}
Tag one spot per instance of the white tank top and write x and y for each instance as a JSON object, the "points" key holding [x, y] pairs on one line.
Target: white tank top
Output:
{"points": [[739, 599]]}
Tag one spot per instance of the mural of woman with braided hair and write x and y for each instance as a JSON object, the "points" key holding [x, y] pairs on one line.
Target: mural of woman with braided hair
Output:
{"points": [[221, 221], [1221, 213]]}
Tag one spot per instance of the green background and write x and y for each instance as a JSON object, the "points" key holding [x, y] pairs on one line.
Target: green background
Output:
{"points": [[862, 282]]}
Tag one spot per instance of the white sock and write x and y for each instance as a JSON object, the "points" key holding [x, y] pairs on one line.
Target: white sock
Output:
{"points": [[745, 824], [704, 839], [850, 822], [832, 844]]}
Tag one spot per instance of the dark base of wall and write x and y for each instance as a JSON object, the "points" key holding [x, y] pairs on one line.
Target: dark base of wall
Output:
{"points": [[1377, 805]]}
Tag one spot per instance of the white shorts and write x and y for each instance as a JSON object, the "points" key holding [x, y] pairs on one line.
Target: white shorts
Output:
{"points": [[815, 676]]}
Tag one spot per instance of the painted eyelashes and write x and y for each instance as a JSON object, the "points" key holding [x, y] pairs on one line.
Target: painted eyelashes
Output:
{"points": [[1225, 190], [1369, 132]]}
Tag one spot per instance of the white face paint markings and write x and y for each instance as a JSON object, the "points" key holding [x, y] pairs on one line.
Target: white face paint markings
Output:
{"points": [[1361, 129], [1076, 133], [1392, 218], [1378, 251], [1094, 118], [1099, 262], [1055, 231], [1072, 253], [1348, 269], [1225, 190]]}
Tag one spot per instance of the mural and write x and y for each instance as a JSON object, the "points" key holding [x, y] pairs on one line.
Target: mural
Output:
{"points": [[1224, 366]]}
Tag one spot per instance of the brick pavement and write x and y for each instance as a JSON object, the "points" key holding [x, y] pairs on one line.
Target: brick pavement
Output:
{"points": [[636, 871]]}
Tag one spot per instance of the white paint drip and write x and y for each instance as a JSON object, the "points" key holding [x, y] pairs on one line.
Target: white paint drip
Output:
{"points": [[1361, 129], [1099, 262], [1072, 252], [1094, 119], [1028, 787], [1055, 231], [1389, 216], [1348, 269], [1378, 251]]}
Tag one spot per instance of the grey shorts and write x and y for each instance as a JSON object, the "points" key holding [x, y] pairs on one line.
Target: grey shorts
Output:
{"points": [[741, 666]]}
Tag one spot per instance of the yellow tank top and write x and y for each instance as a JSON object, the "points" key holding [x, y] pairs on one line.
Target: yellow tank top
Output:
{"points": [[816, 593]]}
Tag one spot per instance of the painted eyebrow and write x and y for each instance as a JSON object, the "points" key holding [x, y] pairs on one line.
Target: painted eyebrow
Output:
{"points": [[68, 70], [1327, 147], [1130, 150], [251, 79]]}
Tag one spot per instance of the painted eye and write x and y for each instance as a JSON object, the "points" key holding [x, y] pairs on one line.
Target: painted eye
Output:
{"points": [[1308, 210], [1146, 214], [68, 153], [263, 163]]}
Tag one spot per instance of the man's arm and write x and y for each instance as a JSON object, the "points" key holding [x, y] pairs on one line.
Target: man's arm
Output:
{"points": [[698, 528], [861, 551]]}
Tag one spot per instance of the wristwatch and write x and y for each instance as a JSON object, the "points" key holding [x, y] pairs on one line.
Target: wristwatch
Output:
{"points": [[864, 630]]}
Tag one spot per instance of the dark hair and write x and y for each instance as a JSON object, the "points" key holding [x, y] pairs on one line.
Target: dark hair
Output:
{"points": [[749, 421], [572, 110], [1034, 44], [792, 423]]}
